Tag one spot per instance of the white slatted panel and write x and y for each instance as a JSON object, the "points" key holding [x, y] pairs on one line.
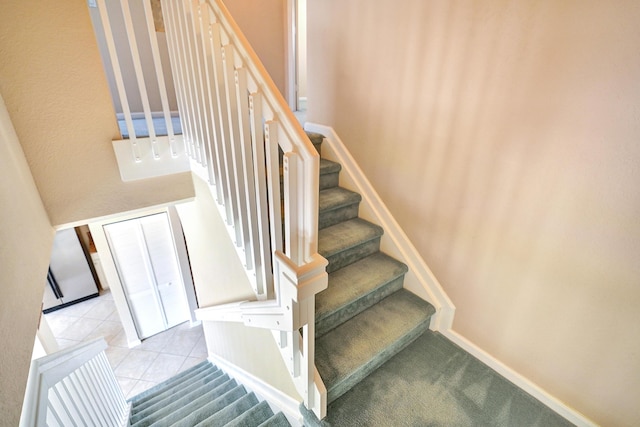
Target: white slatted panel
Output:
{"points": [[75, 387], [239, 128]]}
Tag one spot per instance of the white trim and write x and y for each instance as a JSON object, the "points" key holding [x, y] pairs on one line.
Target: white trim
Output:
{"points": [[154, 114], [291, 79], [420, 279], [183, 262], [278, 400], [148, 165], [520, 381], [111, 273]]}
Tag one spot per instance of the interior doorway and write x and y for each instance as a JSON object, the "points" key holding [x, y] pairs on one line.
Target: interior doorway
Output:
{"points": [[147, 263]]}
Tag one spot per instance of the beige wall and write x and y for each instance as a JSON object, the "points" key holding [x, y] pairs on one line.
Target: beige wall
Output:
{"points": [[263, 23], [26, 237], [56, 93], [504, 138], [219, 278]]}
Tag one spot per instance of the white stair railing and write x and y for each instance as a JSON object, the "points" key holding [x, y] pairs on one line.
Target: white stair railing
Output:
{"points": [[243, 139], [74, 387], [141, 154]]}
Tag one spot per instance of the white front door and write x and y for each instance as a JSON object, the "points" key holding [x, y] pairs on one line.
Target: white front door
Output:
{"points": [[147, 263]]}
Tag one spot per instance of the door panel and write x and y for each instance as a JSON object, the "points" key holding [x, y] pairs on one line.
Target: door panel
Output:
{"points": [[128, 249], [164, 261], [146, 260]]}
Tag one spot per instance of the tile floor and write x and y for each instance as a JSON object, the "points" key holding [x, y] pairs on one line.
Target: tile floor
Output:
{"points": [[137, 369]]}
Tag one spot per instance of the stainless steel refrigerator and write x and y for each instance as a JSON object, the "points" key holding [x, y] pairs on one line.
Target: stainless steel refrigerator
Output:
{"points": [[70, 279]]}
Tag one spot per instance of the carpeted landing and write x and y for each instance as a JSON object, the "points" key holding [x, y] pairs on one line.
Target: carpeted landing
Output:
{"points": [[202, 396], [433, 382]]}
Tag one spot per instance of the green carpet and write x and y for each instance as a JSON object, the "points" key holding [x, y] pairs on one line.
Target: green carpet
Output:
{"points": [[433, 382], [202, 396], [381, 364]]}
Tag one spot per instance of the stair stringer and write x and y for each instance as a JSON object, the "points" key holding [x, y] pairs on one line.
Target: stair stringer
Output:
{"points": [[419, 279]]}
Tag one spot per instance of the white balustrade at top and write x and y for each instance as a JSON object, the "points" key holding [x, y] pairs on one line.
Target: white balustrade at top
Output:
{"points": [[154, 147], [263, 172]]}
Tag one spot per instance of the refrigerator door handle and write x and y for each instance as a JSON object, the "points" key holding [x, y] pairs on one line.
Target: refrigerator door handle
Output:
{"points": [[51, 279]]}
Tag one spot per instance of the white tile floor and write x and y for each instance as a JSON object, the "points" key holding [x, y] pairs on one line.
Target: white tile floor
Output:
{"points": [[137, 369]]}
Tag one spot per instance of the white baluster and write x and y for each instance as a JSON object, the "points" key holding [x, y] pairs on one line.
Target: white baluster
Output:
{"points": [[137, 67], [232, 145], [244, 132], [192, 11], [182, 33], [173, 42], [205, 66], [273, 184], [117, 73], [291, 217], [162, 86], [260, 174], [222, 121]]}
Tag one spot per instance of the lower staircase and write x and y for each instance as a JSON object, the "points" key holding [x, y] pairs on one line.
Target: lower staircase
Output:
{"points": [[365, 316], [202, 396]]}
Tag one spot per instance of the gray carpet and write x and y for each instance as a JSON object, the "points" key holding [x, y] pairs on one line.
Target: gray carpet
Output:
{"points": [[433, 382], [204, 396], [381, 364]]}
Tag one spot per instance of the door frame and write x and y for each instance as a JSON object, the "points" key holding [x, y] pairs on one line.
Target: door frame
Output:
{"points": [[291, 69], [113, 278]]}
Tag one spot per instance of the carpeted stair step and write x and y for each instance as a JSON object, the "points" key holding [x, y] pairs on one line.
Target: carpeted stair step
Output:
{"points": [[230, 412], [329, 174], [337, 204], [254, 416], [351, 351], [347, 242], [217, 377], [316, 139], [200, 370], [176, 402], [355, 288], [215, 403], [195, 417], [278, 420]]}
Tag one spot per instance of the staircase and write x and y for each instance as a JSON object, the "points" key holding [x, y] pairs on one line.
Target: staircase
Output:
{"points": [[365, 316], [202, 396]]}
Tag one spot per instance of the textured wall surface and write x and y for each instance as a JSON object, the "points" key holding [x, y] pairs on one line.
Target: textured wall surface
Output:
{"points": [[503, 136], [26, 237], [56, 93], [219, 278], [264, 24]]}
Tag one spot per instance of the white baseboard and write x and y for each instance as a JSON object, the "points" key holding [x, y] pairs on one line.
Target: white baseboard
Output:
{"points": [[420, 279], [525, 384], [278, 401]]}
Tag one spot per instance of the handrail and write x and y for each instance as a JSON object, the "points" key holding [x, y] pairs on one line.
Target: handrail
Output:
{"points": [[263, 172], [75, 386]]}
